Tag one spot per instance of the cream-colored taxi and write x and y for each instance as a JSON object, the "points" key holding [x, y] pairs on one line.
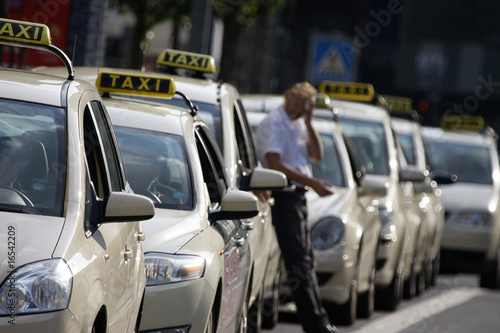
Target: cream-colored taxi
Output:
{"points": [[219, 104], [471, 235], [67, 264], [369, 128], [344, 226], [197, 257], [429, 199]]}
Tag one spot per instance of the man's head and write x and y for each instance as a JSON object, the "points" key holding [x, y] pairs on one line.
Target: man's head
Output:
{"points": [[299, 99]]}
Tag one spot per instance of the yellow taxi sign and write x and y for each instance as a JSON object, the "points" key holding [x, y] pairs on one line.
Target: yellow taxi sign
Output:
{"points": [[462, 122], [135, 84], [399, 104], [24, 32], [187, 60], [322, 101], [355, 91]]}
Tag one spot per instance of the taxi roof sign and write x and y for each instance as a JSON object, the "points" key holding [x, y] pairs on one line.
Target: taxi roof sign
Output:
{"points": [[354, 91], [399, 104], [462, 122], [34, 36], [135, 84], [187, 60], [24, 32], [322, 101]]}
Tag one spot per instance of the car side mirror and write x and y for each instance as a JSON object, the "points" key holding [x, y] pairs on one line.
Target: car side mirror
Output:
{"points": [[444, 177], [236, 204], [126, 207], [411, 174], [261, 179]]}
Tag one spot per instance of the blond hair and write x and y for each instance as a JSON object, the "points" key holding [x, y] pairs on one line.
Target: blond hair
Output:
{"points": [[303, 89]]}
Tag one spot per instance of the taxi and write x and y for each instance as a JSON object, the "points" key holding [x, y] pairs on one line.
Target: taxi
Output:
{"points": [[219, 104], [429, 199], [73, 257], [344, 226], [369, 128], [197, 257], [471, 235]]}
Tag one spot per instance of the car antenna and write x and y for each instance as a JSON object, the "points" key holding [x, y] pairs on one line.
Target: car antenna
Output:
{"points": [[189, 103]]}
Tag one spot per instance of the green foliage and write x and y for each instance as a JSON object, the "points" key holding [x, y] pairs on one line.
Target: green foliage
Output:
{"points": [[152, 12], [245, 12]]}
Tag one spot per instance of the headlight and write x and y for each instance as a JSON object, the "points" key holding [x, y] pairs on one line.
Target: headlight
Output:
{"points": [[471, 219], [327, 233], [386, 218], [164, 268], [37, 287]]}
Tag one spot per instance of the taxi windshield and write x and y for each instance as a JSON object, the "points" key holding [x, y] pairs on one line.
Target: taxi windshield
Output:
{"points": [[156, 167], [330, 168], [471, 164], [370, 142], [32, 158]]}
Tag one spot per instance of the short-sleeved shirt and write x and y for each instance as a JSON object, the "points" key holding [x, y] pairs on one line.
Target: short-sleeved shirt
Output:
{"points": [[277, 133]]}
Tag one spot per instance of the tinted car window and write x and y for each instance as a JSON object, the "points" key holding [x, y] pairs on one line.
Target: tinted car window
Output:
{"points": [[369, 138], [330, 168], [157, 167], [32, 157]]}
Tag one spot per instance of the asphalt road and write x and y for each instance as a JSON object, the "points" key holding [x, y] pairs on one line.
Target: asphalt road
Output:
{"points": [[455, 304]]}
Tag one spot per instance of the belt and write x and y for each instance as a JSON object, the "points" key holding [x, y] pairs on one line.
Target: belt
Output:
{"points": [[301, 189]]}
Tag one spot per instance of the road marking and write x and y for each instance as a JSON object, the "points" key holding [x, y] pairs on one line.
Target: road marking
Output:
{"points": [[421, 311]]}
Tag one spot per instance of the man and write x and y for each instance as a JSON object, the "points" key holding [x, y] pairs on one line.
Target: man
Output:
{"points": [[287, 141]]}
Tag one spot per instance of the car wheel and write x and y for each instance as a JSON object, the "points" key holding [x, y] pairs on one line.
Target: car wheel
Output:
{"points": [[366, 300], [243, 326], [210, 327], [388, 297], [270, 309], [254, 320], [345, 314], [490, 276], [409, 285]]}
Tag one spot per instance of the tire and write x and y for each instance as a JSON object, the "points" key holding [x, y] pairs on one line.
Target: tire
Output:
{"points": [[409, 285], [254, 319], [490, 275], [366, 300], [345, 314], [210, 327], [388, 298], [270, 309]]}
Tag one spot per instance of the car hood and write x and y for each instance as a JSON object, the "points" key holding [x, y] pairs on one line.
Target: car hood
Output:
{"points": [[169, 230], [318, 207], [467, 196], [32, 238]]}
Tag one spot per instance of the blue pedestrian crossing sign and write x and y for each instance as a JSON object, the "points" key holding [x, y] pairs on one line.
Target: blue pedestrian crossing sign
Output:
{"points": [[332, 59]]}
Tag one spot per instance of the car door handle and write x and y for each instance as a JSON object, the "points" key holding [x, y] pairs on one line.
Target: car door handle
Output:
{"points": [[141, 236], [238, 241], [128, 254]]}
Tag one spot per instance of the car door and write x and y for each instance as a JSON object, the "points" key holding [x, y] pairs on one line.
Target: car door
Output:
{"points": [[117, 242], [235, 255]]}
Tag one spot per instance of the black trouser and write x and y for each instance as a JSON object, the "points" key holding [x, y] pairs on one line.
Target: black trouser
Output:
{"points": [[290, 222]]}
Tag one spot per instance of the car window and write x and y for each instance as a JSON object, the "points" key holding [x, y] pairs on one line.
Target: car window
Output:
{"points": [[406, 141], [330, 168], [157, 167], [32, 157], [471, 164], [212, 166], [370, 141]]}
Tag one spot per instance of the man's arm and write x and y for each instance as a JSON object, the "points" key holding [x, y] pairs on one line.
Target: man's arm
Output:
{"points": [[318, 185], [314, 144]]}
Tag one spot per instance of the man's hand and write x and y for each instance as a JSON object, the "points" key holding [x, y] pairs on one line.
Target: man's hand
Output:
{"points": [[263, 196], [321, 187]]}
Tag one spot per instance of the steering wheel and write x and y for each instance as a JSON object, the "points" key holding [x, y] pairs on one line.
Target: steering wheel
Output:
{"points": [[11, 200], [148, 194]]}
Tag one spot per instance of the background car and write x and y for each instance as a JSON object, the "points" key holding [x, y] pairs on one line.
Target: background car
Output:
{"points": [[369, 128], [429, 200], [344, 228], [69, 267], [471, 235], [198, 249]]}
